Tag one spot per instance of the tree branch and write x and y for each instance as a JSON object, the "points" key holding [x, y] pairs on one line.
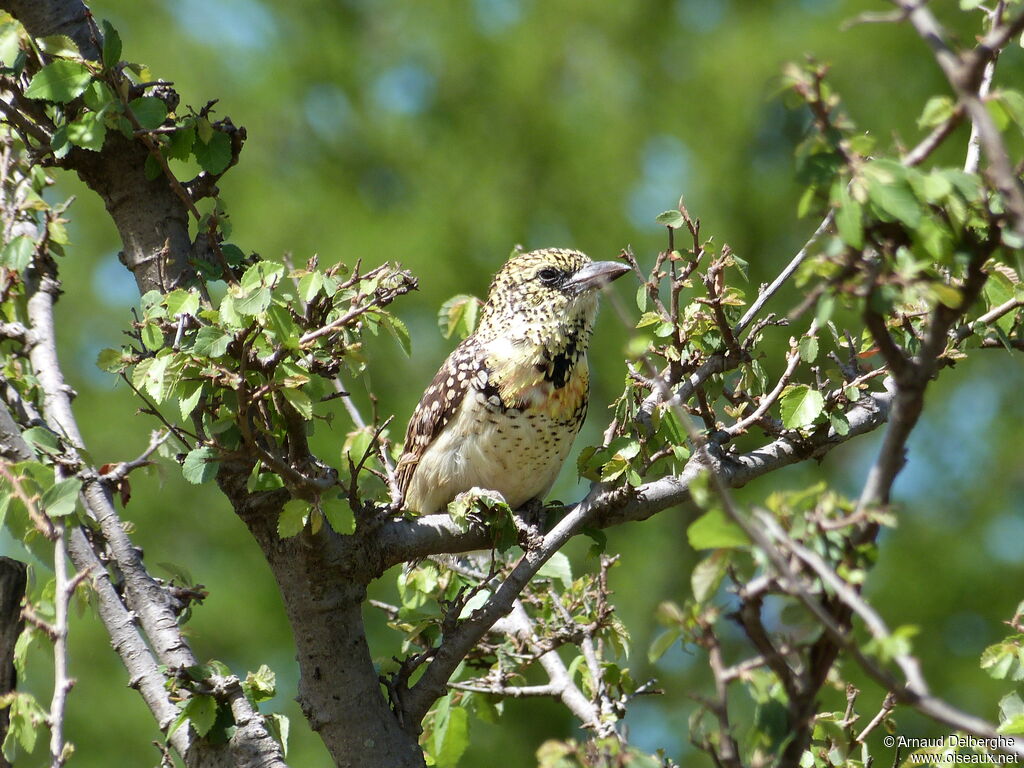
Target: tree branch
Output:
{"points": [[148, 600], [518, 624], [43, 18], [913, 690], [963, 74], [398, 541], [764, 295], [911, 377], [151, 220]]}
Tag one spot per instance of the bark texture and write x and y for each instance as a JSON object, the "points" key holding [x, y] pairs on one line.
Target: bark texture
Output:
{"points": [[339, 690], [12, 590]]}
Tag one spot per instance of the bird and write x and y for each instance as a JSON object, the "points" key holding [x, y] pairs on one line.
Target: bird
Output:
{"points": [[502, 412]]}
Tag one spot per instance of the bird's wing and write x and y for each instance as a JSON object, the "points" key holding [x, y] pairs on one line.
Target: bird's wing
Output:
{"points": [[460, 371]]}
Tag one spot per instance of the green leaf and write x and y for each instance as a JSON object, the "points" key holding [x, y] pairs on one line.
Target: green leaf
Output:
{"points": [[152, 168], [1012, 725], [671, 219], [708, 574], [60, 498], [10, 43], [936, 187], [110, 360], [232, 254], [826, 305], [204, 130], [742, 265], [849, 219], [897, 643], [26, 719], [59, 45], [478, 600], [937, 110], [59, 81], [17, 254], [98, 96], [1011, 705], [299, 401], [59, 143], [293, 518], [149, 111], [890, 192], [201, 710], [558, 568], [947, 294], [338, 513], [806, 201], [253, 303], [713, 530], [152, 337], [181, 142], [641, 298], [399, 330], [935, 238], [839, 423], [181, 302], [662, 643], [458, 316], [111, 45], [260, 480], [998, 290], [188, 403], [451, 737], [625, 449], [261, 274], [800, 406], [1003, 661], [88, 131], [42, 440], [279, 725], [1013, 101], [648, 318], [310, 285], [200, 465], [260, 685], [968, 185], [214, 156], [808, 348], [211, 342]]}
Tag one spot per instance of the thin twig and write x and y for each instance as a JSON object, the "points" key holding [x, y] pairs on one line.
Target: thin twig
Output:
{"points": [[64, 590], [768, 400], [122, 469], [973, 156], [888, 705], [785, 274]]}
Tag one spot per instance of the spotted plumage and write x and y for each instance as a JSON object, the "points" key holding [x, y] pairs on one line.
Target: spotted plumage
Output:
{"points": [[502, 412]]}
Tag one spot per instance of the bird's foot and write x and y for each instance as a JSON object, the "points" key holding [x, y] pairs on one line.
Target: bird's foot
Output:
{"points": [[529, 521]]}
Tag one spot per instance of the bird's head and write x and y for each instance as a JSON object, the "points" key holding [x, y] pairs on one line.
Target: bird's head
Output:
{"points": [[538, 294]]}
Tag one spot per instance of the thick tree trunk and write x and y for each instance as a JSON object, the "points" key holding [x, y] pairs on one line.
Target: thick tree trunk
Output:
{"points": [[339, 689], [151, 219]]}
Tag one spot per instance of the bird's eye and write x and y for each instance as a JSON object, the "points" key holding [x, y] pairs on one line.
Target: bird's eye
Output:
{"points": [[549, 276]]}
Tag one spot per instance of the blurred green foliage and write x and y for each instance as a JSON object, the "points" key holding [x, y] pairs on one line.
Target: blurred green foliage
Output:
{"points": [[439, 135]]}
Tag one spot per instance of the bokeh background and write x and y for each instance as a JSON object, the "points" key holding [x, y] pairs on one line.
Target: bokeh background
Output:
{"points": [[441, 134]]}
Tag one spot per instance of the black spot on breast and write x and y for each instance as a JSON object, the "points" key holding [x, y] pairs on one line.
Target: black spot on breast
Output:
{"points": [[560, 366]]}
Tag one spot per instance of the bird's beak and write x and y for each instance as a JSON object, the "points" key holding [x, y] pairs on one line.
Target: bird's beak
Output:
{"points": [[595, 275]]}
